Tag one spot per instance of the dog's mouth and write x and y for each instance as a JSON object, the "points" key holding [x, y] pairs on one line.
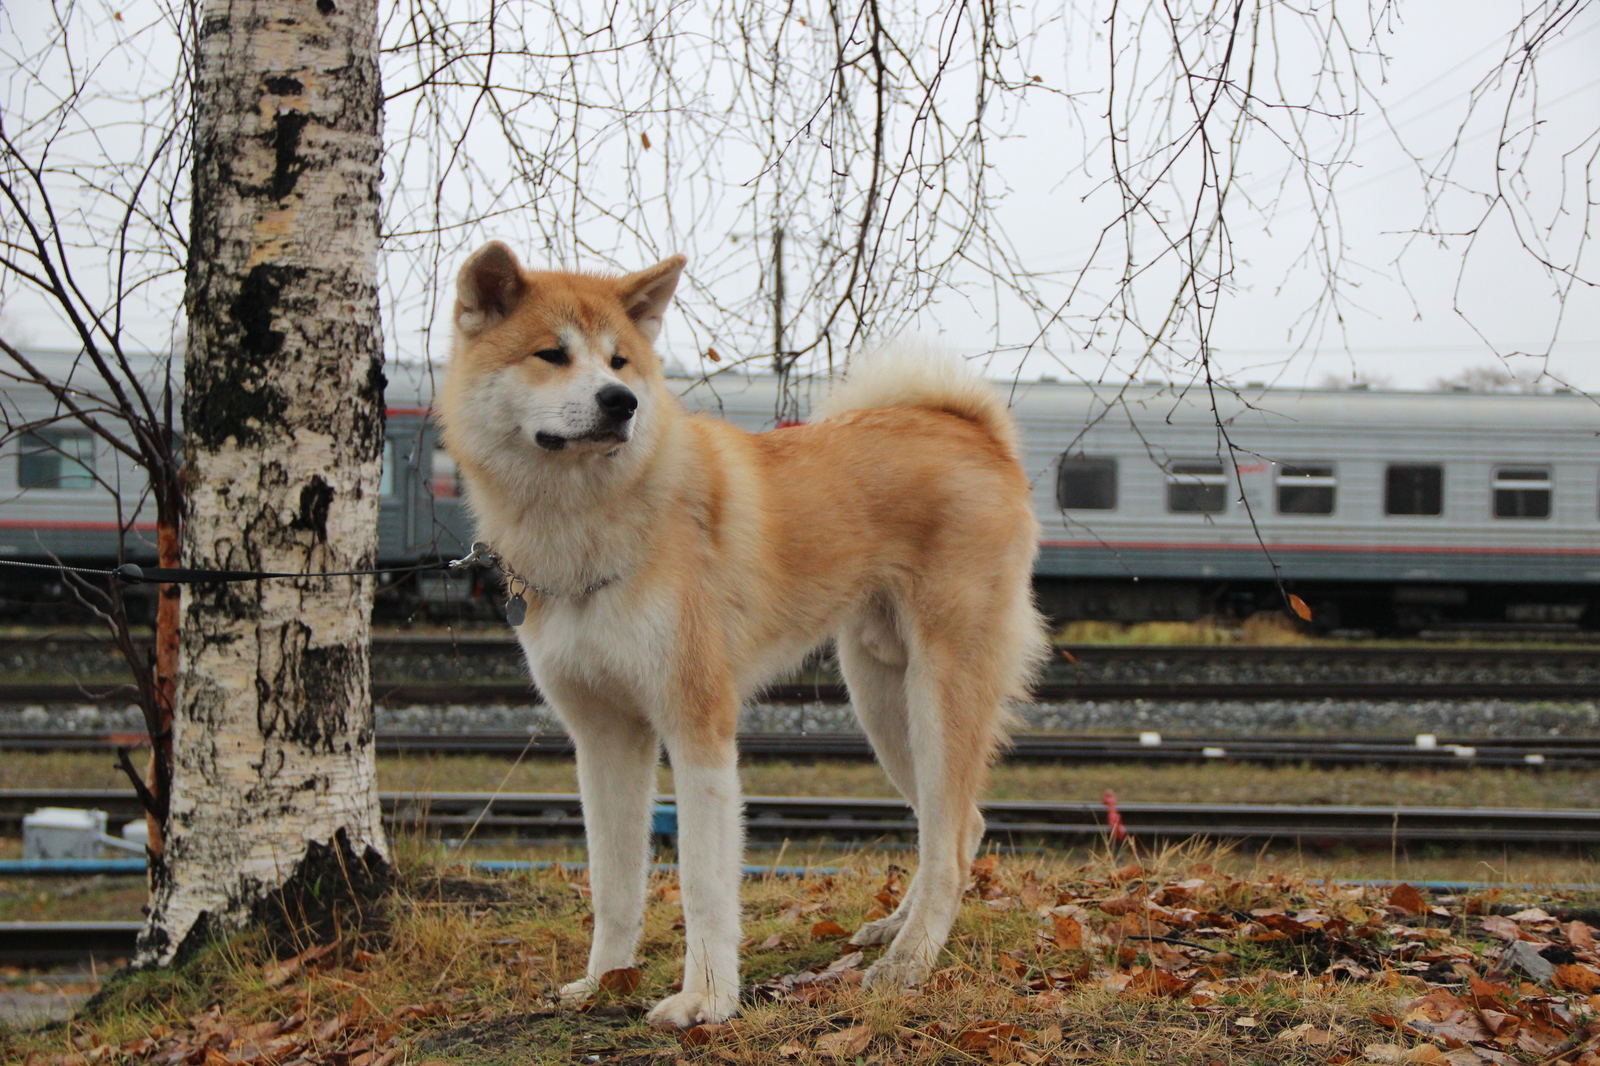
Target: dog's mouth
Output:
{"points": [[551, 442]]}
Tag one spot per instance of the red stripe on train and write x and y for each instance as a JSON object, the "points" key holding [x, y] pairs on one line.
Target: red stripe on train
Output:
{"points": [[1355, 548]]}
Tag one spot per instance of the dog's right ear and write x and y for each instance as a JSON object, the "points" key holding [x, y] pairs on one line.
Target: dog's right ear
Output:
{"points": [[488, 288]]}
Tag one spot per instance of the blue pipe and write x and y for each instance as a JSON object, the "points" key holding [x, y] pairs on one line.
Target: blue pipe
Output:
{"points": [[69, 867]]}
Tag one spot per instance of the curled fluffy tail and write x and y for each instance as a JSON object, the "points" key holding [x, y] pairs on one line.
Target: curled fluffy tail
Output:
{"points": [[910, 376]]}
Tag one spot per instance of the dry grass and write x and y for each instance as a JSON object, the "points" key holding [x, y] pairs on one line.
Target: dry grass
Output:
{"points": [[1262, 628], [86, 899], [1210, 782], [466, 971]]}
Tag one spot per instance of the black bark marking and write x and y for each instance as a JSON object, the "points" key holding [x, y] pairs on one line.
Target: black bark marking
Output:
{"points": [[315, 500], [258, 298], [283, 85], [331, 895], [308, 700], [325, 675], [286, 129], [373, 387], [326, 7], [237, 397]]}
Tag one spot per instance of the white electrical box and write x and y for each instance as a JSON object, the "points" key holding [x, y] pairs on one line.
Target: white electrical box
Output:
{"points": [[62, 833]]}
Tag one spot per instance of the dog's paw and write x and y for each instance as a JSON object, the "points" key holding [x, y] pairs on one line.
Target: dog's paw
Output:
{"points": [[578, 993], [893, 974], [688, 1009], [879, 932]]}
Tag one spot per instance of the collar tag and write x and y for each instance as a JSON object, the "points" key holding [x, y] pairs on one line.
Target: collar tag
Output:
{"points": [[516, 610]]}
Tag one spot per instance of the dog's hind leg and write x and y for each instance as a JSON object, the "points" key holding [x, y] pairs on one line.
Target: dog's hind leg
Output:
{"points": [[616, 777], [872, 657], [705, 773], [961, 668]]}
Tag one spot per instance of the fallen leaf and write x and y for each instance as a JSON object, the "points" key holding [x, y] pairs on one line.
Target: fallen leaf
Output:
{"points": [[1426, 1054], [1576, 977], [1487, 995], [1122, 905], [281, 973], [701, 1035], [790, 1051], [1504, 928], [1305, 1033], [1532, 914], [846, 1043], [1407, 899], [826, 928], [1069, 933], [1388, 1054], [990, 1036], [622, 982]]}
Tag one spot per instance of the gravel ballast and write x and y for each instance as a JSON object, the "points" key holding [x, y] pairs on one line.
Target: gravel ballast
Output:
{"points": [[1354, 718]]}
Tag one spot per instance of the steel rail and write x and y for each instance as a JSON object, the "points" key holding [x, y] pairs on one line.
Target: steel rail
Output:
{"points": [[520, 693], [502, 641], [36, 943], [1571, 753], [777, 817]]}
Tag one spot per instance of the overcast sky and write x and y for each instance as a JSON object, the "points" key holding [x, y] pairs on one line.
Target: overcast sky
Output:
{"points": [[1413, 317], [1418, 308]]}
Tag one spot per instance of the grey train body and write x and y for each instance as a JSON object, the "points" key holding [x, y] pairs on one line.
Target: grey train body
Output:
{"points": [[1385, 510]]}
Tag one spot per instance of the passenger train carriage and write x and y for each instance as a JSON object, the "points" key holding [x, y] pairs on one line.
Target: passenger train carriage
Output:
{"points": [[1385, 510]]}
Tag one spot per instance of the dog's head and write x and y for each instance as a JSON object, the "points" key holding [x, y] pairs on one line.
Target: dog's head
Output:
{"points": [[553, 363]]}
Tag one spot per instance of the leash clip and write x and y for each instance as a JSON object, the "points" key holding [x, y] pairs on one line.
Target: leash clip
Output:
{"points": [[480, 553]]}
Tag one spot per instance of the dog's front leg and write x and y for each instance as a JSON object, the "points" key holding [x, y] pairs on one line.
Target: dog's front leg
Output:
{"points": [[616, 777], [710, 854]]}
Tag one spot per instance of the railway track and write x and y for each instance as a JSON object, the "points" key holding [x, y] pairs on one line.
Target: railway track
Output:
{"points": [[545, 815], [1049, 691], [480, 670], [42, 943], [1569, 753]]}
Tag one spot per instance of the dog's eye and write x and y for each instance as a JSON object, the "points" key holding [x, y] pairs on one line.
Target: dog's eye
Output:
{"points": [[617, 362], [558, 356]]}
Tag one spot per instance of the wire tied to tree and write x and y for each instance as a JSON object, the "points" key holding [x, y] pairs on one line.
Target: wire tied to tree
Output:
{"points": [[482, 554], [134, 574]]}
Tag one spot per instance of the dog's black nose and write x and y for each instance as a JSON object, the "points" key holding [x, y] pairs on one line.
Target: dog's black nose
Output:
{"points": [[617, 402]]}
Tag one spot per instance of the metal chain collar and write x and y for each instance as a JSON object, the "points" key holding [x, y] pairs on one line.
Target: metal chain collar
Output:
{"points": [[516, 609]]}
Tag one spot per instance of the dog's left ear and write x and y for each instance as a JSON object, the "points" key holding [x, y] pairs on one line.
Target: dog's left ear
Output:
{"points": [[646, 294]]}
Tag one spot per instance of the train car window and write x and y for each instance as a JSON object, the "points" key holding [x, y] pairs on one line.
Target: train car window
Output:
{"points": [[1414, 488], [1306, 488], [1087, 483], [56, 459], [1522, 492], [1197, 486]]}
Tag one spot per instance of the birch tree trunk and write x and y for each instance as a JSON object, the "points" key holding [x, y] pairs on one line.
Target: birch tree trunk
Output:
{"points": [[273, 757]]}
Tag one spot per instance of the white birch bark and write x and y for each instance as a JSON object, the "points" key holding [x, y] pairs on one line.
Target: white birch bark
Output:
{"points": [[283, 413]]}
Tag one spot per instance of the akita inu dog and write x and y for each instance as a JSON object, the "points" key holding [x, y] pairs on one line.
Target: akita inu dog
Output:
{"points": [[674, 564]]}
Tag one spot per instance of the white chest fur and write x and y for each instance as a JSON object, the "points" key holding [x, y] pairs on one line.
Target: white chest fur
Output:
{"points": [[614, 645]]}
